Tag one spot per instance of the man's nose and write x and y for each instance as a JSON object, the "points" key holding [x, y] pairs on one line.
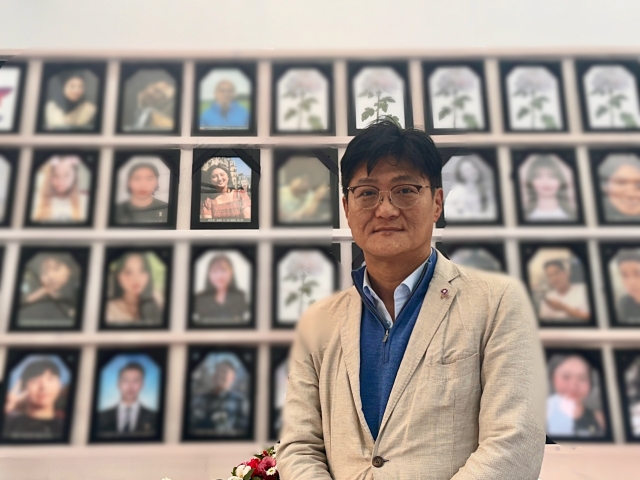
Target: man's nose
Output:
{"points": [[385, 208]]}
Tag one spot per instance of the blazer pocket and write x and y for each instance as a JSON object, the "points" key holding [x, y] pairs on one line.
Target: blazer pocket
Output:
{"points": [[459, 368]]}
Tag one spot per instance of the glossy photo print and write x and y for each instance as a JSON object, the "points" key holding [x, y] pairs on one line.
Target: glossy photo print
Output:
{"points": [[577, 400], [225, 189], [547, 187], [558, 279], [609, 94], [8, 172], [62, 189], [128, 402], [455, 97], [149, 98], [136, 288], [279, 380], [532, 96], [71, 98], [38, 393], [616, 175], [12, 77], [302, 99], [628, 368], [50, 288], [145, 189], [220, 386], [225, 99], [482, 256], [621, 264], [223, 282]]}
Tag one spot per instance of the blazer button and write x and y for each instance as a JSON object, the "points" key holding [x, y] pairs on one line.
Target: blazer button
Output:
{"points": [[377, 462]]}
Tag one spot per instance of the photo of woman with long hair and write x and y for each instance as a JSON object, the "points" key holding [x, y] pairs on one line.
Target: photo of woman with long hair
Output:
{"points": [[140, 180], [71, 104], [469, 189], [221, 199]]}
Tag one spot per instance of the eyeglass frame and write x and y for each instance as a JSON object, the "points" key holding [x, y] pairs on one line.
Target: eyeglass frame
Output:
{"points": [[380, 192]]}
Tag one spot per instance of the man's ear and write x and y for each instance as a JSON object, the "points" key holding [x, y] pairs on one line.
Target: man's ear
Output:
{"points": [[345, 205], [438, 200]]}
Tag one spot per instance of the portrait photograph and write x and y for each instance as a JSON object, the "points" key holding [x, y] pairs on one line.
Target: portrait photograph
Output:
{"points": [[621, 264], [62, 188], [12, 77], [224, 192], [532, 96], [471, 187], [482, 256], [616, 176], [558, 278], [302, 99], [547, 187], [144, 189], [38, 392], [306, 188], [225, 99], [628, 370], [577, 400], [609, 94], [71, 98], [128, 398], [279, 380], [378, 90], [455, 97], [136, 288], [220, 393], [149, 98], [8, 172], [223, 282], [302, 276], [50, 289]]}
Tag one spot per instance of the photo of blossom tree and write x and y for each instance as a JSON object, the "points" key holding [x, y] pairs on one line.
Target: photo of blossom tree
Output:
{"points": [[302, 100], [455, 96], [533, 99], [379, 94]]}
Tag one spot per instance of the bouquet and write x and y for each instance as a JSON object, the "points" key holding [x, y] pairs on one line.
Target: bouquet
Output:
{"points": [[261, 467]]}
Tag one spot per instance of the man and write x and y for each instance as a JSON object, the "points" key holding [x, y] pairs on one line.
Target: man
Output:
{"points": [[129, 417], [298, 202], [423, 369], [628, 306], [565, 300], [225, 111]]}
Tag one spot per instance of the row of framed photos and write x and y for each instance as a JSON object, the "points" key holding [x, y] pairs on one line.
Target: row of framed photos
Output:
{"points": [[224, 103], [220, 394], [225, 184]]}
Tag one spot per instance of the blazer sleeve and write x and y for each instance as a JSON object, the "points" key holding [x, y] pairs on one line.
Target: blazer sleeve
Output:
{"points": [[511, 436]]}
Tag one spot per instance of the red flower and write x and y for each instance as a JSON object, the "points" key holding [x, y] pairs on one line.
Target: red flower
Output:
{"points": [[253, 463]]}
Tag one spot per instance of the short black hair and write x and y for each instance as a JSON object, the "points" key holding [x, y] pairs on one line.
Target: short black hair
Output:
{"points": [[628, 255], [555, 263], [131, 366], [386, 139], [37, 368]]}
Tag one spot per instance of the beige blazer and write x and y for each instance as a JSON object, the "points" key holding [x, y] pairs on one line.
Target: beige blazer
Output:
{"points": [[467, 403]]}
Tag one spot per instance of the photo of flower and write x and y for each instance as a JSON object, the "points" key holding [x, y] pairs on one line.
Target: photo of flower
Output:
{"points": [[611, 95], [378, 93], [302, 100], [455, 95]]}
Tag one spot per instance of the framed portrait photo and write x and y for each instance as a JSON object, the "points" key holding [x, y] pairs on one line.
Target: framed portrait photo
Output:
{"points": [[621, 264], [302, 99], [8, 172], [224, 192], [378, 90], [223, 286], [128, 398], [50, 289], [577, 408], [628, 370], [616, 181], [12, 78], [547, 187], [488, 256], [38, 394], [149, 98], [220, 393], [144, 189], [279, 379], [455, 97], [471, 187], [559, 278], [302, 275], [609, 94], [225, 99], [62, 188], [533, 96], [305, 188], [71, 97]]}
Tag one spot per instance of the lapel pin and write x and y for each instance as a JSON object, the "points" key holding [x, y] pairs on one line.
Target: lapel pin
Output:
{"points": [[444, 293]]}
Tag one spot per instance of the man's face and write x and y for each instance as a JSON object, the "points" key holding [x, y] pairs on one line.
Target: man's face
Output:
{"points": [[623, 189], [223, 378], [557, 277], [130, 384], [224, 94], [43, 390], [387, 231], [630, 273]]}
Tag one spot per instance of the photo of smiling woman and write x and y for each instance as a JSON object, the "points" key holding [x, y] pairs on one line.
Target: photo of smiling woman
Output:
{"points": [[71, 102], [222, 196], [619, 182], [469, 190]]}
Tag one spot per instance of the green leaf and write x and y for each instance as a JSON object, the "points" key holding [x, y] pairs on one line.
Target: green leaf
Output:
{"points": [[306, 104], [370, 95], [549, 122], [602, 109], [368, 112], [442, 93], [597, 91], [471, 122], [628, 120], [523, 112], [384, 106], [315, 122], [617, 100], [444, 112], [538, 102], [292, 112], [292, 277], [388, 99], [249, 475], [293, 296], [363, 94], [312, 283], [520, 93], [459, 102], [289, 94]]}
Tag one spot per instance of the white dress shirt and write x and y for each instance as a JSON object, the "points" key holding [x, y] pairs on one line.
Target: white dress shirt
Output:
{"points": [[131, 415]]}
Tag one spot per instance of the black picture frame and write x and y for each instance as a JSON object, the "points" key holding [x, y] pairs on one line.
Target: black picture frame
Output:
{"points": [[326, 70], [496, 249], [69, 357], [593, 358], [251, 157], [171, 158], [568, 156], [357, 257], [24, 70], [428, 69], [249, 69], [249, 252], [578, 249], [128, 70], [555, 68], [329, 158], [247, 356], [278, 354], [400, 67], [158, 355], [490, 157], [90, 158], [12, 157], [624, 358], [608, 250], [50, 69], [81, 256], [165, 253]]}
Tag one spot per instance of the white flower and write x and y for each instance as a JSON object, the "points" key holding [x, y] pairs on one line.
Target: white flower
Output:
{"points": [[235, 478], [384, 79], [612, 77], [305, 81], [458, 78], [242, 470], [272, 471], [304, 262], [534, 78]]}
